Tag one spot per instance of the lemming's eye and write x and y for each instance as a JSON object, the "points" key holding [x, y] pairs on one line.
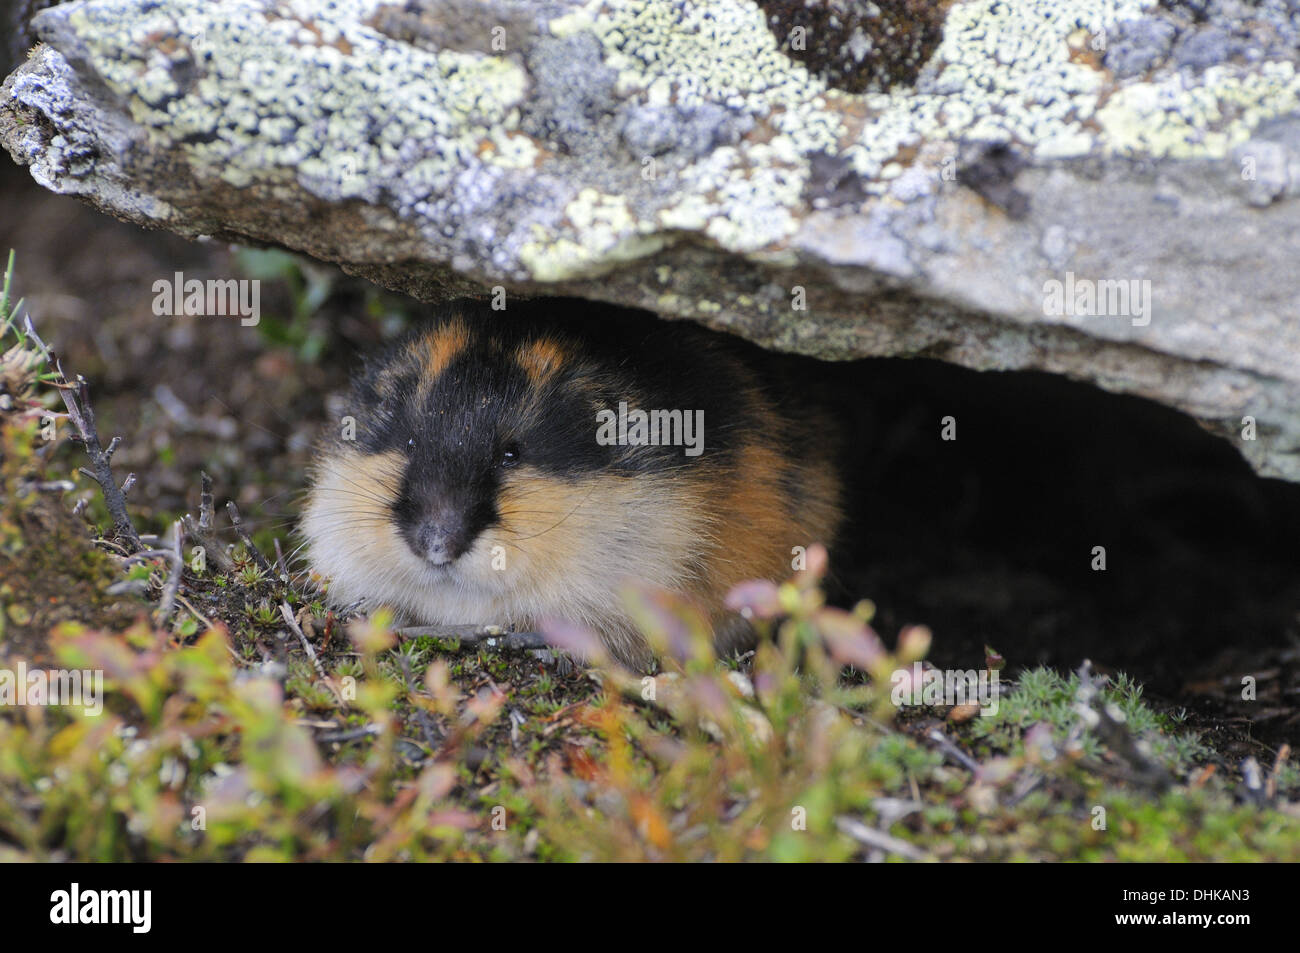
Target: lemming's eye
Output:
{"points": [[510, 455]]}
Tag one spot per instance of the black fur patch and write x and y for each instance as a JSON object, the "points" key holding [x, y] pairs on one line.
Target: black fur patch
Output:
{"points": [[483, 414]]}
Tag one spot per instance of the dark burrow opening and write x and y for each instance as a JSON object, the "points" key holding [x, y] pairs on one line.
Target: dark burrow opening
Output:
{"points": [[989, 538]]}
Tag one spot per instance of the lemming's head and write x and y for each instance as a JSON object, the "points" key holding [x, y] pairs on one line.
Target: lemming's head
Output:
{"points": [[457, 415]]}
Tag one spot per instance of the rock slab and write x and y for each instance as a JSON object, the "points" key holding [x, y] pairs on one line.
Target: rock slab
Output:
{"points": [[1106, 189]]}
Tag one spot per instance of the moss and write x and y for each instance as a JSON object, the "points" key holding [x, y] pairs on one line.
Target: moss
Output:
{"points": [[50, 570]]}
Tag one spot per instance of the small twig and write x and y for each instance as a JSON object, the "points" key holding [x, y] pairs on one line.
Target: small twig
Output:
{"points": [[1203, 776], [76, 398], [450, 631], [1108, 723], [1274, 776], [292, 623], [353, 735], [46, 486], [205, 503], [514, 642], [112, 547], [207, 623], [280, 563], [247, 540], [211, 546], [1030, 782], [877, 839], [472, 636], [940, 740], [426, 727], [31, 333], [145, 555], [173, 585]]}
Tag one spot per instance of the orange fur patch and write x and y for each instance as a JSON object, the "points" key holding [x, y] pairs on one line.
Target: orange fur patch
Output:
{"points": [[440, 347], [540, 359], [756, 525]]}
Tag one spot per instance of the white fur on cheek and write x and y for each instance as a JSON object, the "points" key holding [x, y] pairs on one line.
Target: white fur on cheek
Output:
{"points": [[353, 542], [563, 549]]}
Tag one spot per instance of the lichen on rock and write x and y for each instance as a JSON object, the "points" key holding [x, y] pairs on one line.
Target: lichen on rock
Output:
{"points": [[675, 156]]}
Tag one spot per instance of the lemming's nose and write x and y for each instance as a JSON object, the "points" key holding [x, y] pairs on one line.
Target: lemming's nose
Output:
{"points": [[442, 538]]}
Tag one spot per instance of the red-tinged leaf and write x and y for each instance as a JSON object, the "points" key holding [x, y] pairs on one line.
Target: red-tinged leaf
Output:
{"points": [[914, 643], [459, 820], [757, 599], [485, 705], [674, 627], [581, 764], [816, 562], [576, 639], [437, 781], [589, 716], [848, 640], [650, 823], [226, 798], [709, 697], [373, 635]]}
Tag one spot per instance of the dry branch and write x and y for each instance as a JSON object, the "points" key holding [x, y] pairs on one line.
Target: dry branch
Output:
{"points": [[471, 636], [76, 398]]}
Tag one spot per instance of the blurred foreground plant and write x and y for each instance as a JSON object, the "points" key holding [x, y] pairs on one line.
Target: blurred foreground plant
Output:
{"points": [[760, 764], [194, 758]]}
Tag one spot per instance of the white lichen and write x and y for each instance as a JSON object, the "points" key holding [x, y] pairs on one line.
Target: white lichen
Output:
{"points": [[306, 96]]}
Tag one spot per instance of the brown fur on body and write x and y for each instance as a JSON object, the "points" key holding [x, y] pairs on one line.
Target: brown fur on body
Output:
{"points": [[476, 492]]}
